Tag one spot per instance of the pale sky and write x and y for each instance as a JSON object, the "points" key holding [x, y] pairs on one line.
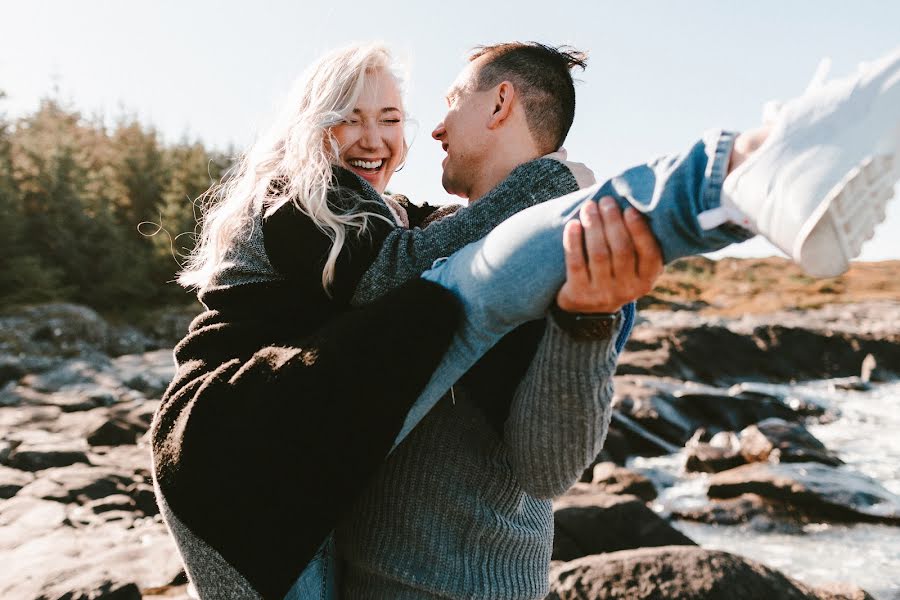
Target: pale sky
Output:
{"points": [[660, 72]]}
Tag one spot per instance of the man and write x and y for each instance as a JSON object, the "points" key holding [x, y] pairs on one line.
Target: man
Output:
{"points": [[457, 510]]}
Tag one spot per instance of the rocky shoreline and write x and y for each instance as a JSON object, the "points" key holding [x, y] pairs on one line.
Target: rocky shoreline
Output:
{"points": [[78, 518]]}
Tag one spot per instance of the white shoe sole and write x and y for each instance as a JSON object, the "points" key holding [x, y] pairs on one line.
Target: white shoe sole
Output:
{"points": [[849, 213]]}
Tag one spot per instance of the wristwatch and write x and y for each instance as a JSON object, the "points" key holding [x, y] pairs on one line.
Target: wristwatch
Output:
{"points": [[585, 326]]}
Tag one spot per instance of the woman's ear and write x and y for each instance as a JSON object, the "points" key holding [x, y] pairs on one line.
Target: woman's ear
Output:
{"points": [[504, 96]]}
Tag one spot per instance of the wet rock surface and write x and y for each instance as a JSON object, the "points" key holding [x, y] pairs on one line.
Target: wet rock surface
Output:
{"points": [[819, 490]]}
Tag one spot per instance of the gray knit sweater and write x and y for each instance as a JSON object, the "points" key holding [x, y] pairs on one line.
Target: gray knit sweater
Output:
{"points": [[461, 511]]}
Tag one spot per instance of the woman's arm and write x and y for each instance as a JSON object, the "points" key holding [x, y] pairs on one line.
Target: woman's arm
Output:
{"points": [[406, 254]]}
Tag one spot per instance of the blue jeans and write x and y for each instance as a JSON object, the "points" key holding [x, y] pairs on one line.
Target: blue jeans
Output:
{"points": [[512, 275]]}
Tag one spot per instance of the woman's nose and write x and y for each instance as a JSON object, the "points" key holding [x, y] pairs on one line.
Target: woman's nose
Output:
{"points": [[371, 137]]}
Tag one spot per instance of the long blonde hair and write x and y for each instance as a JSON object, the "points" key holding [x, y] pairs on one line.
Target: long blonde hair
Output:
{"points": [[292, 163]]}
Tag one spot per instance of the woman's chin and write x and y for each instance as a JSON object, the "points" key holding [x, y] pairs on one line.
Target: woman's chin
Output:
{"points": [[375, 178]]}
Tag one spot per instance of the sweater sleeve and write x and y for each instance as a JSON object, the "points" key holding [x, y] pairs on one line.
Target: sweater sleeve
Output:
{"points": [[560, 413], [406, 254]]}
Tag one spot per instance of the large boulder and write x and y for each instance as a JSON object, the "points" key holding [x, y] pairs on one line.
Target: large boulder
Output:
{"points": [[589, 521], [57, 329], [815, 489], [680, 573]]}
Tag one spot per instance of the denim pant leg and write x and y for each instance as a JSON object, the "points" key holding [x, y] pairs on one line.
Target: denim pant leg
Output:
{"points": [[673, 191], [513, 274], [318, 581]]}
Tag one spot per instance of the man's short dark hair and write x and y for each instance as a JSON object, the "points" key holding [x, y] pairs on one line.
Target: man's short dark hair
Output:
{"points": [[542, 76]]}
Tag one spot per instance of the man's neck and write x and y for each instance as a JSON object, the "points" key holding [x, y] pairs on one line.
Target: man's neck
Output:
{"points": [[492, 175]]}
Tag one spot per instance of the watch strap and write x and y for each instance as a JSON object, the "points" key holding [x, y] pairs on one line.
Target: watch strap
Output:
{"points": [[585, 326]]}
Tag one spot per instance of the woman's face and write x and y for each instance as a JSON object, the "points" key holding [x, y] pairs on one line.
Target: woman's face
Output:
{"points": [[371, 139]]}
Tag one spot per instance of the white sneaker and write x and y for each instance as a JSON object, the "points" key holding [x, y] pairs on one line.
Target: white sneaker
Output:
{"points": [[818, 185]]}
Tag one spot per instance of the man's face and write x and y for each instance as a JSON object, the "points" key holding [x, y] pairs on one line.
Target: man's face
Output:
{"points": [[464, 132]]}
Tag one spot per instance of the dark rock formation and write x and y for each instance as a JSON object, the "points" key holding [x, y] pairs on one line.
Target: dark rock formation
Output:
{"points": [[588, 521]]}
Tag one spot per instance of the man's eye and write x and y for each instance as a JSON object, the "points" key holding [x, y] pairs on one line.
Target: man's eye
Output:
{"points": [[390, 121]]}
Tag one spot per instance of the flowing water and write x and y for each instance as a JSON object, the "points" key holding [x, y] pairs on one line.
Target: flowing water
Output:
{"points": [[866, 435]]}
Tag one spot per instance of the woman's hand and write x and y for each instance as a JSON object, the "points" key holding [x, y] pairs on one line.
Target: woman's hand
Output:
{"points": [[611, 259]]}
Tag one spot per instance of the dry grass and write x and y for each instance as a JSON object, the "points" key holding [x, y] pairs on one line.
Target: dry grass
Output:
{"points": [[733, 286]]}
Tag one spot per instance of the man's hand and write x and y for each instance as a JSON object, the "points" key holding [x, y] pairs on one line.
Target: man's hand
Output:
{"points": [[611, 259]]}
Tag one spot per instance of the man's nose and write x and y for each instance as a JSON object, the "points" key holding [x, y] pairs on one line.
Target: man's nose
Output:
{"points": [[439, 131]]}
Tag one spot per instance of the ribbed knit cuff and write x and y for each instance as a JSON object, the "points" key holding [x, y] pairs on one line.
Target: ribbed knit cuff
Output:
{"points": [[560, 415]]}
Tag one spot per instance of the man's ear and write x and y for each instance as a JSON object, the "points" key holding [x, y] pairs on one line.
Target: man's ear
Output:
{"points": [[504, 96]]}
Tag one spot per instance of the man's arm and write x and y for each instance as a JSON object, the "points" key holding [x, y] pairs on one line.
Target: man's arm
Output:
{"points": [[560, 413]]}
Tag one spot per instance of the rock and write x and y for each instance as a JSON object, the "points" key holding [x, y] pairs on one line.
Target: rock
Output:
{"points": [[6, 448], [711, 459], [804, 404], [756, 512], [134, 459], [16, 366], [721, 452], [13, 480], [144, 498], [814, 489], [588, 521], [36, 457], [18, 419], [111, 502], [114, 432], [125, 339], [56, 329], [78, 483], [23, 518], [612, 479], [679, 573], [91, 562], [149, 373], [92, 370], [722, 351], [674, 410], [776, 440]]}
